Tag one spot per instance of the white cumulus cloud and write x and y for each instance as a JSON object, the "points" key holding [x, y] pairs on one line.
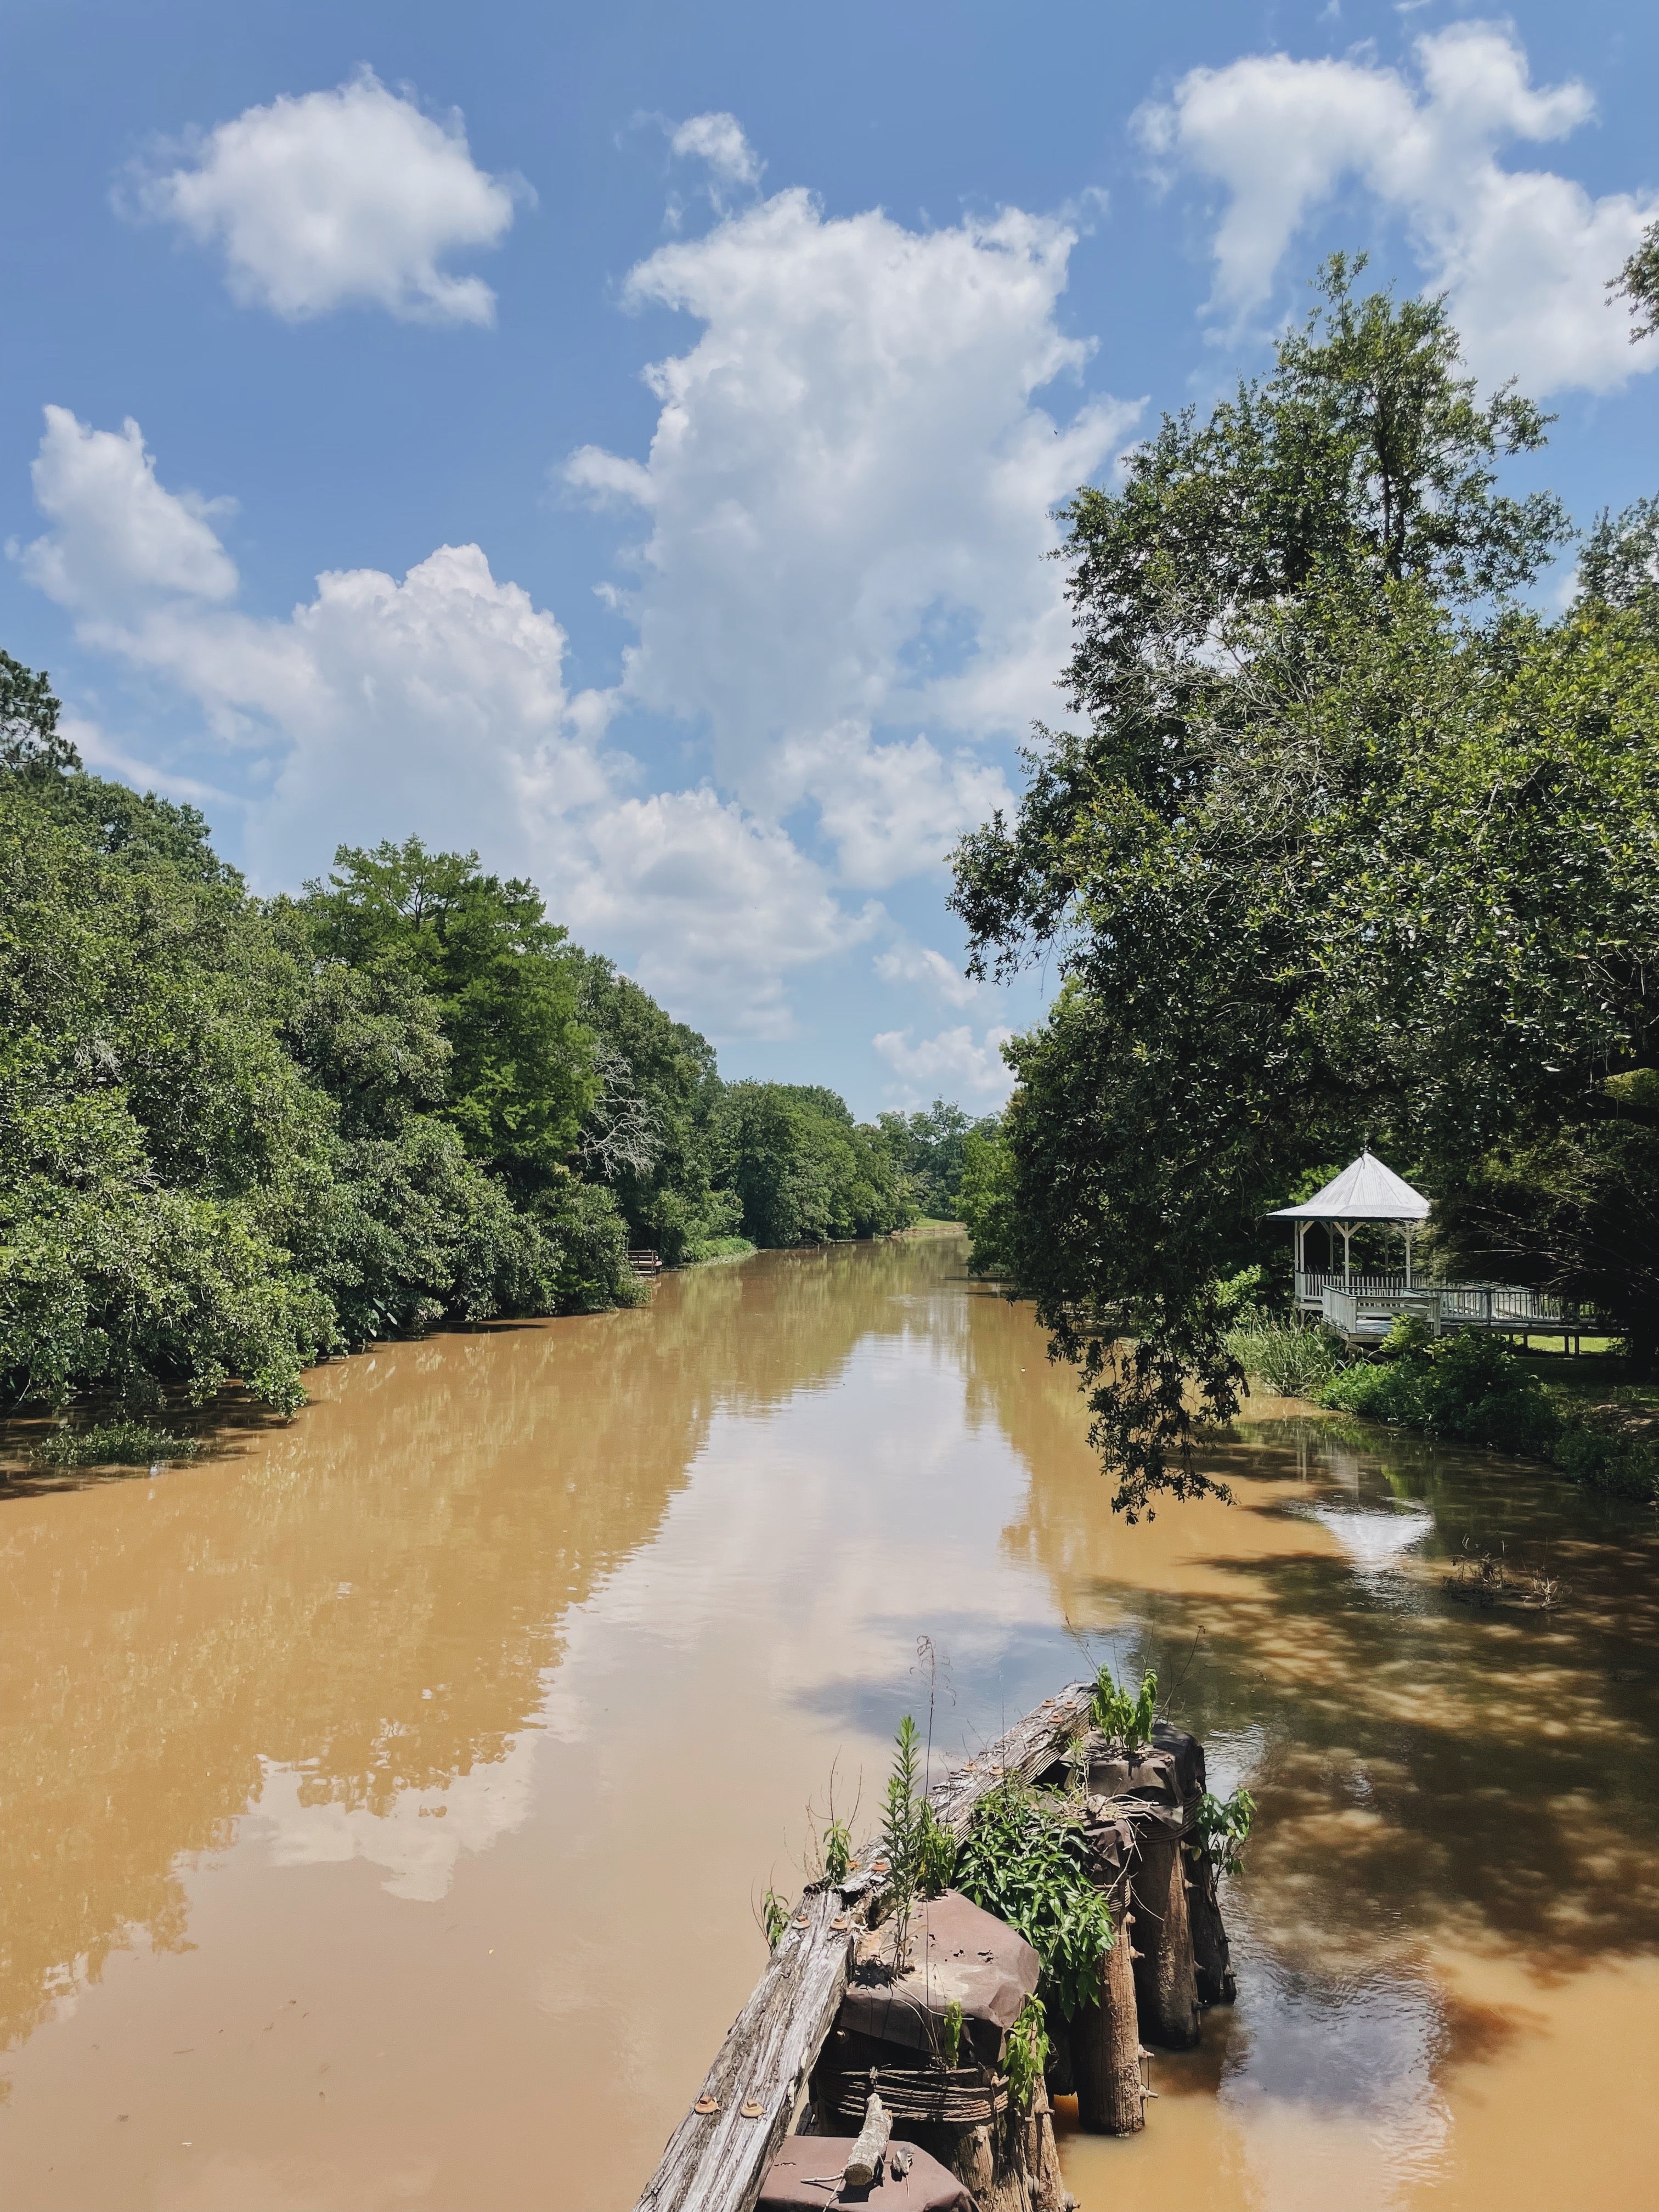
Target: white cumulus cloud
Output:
{"points": [[907, 964], [952, 1064], [1525, 254], [334, 198], [719, 140], [435, 705], [118, 539], [848, 489]]}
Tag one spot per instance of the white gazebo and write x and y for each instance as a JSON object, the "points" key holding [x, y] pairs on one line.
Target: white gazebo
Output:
{"points": [[1365, 1191], [1362, 1309]]}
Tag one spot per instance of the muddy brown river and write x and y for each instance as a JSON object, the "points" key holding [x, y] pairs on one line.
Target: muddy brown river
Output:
{"points": [[386, 1798]]}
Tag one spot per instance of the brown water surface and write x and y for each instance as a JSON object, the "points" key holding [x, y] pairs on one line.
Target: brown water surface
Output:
{"points": [[384, 1799]]}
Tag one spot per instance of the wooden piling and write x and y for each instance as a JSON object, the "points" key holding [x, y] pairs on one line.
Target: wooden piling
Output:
{"points": [[1106, 2045], [1166, 1981], [1211, 1956]]}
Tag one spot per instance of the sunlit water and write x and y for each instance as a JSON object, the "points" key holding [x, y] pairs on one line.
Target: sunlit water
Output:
{"points": [[386, 1798]]}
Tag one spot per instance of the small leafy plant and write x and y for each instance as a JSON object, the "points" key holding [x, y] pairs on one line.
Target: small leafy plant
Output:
{"points": [[1025, 1860], [936, 1853], [950, 2034], [837, 1852], [901, 1837], [1027, 2053], [1121, 1718], [829, 1855], [1223, 1827], [773, 1917]]}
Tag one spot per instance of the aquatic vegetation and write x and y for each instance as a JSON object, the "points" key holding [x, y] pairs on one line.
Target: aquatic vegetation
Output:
{"points": [[1293, 1360], [114, 1443]]}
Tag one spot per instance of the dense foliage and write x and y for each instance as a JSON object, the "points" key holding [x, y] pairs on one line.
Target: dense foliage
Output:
{"points": [[1026, 1861], [236, 1135], [1347, 847], [1469, 1390], [930, 1152], [801, 1168], [1479, 1390]]}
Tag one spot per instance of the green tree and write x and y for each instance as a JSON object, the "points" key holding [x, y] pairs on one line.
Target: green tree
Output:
{"points": [[1638, 280], [30, 740], [929, 1148], [1341, 843], [521, 1073], [803, 1171], [648, 1133]]}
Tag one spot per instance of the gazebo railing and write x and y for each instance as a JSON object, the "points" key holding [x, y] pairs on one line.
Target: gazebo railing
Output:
{"points": [[1311, 1285]]}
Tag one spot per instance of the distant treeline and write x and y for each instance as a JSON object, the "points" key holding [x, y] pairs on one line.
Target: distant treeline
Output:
{"points": [[237, 1135]]}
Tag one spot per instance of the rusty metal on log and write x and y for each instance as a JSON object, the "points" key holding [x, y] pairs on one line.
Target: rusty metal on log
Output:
{"points": [[716, 2157]]}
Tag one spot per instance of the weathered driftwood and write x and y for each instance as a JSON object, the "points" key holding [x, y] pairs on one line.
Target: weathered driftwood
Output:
{"points": [[864, 2158], [1106, 2047], [716, 2156]]}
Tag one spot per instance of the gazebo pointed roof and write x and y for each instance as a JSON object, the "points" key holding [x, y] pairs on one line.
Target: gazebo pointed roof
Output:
{"points": [[1365, 1191]]}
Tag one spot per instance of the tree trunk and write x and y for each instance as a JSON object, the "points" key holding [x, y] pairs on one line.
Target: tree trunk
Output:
{"points": [[1106, 2047], [1166, 1986]]}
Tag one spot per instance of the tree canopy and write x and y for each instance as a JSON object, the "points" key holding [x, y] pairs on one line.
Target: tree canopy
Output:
{"points": [[237, 1135], [1347, 845]]}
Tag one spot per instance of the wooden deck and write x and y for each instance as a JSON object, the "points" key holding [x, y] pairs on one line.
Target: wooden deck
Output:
{"points": [[1363, 1310]]}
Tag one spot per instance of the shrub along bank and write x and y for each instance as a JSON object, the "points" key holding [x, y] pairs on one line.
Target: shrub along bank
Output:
{"points": [[1479, 1390]]}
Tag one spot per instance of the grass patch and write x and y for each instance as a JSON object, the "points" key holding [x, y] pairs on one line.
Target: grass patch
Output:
{"points": [[1293, 1360], [716, 1247], [113, 1443]]}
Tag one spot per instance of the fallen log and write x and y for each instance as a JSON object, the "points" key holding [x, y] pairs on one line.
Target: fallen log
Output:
{"points": [[865, 2161]]}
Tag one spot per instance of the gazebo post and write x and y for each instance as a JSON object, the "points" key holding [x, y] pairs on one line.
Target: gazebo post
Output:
{"points": [[1346, 1227], [1410, 1230]]}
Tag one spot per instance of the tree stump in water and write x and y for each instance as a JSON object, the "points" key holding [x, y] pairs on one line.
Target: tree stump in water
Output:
{"points": [[1166, 1981], [1106, 2047]]}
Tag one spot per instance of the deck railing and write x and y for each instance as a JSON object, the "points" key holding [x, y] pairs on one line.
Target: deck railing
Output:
{"points": [[1364, 1314]]}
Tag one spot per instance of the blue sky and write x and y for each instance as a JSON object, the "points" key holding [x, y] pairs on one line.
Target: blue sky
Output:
{"points": [[622, 440]]}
